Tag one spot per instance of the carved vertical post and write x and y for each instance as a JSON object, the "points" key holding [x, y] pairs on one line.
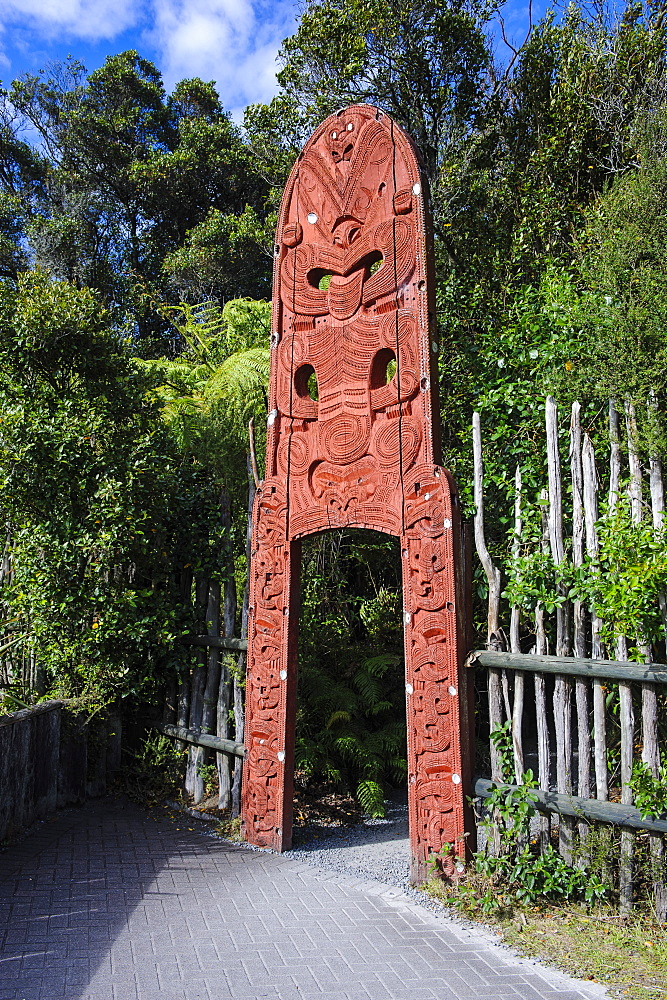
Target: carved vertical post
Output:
{"points": [[271, 679], [438, 771], [361, 452]]}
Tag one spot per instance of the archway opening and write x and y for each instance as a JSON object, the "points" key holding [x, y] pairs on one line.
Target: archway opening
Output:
{"points": [[350, 753]]}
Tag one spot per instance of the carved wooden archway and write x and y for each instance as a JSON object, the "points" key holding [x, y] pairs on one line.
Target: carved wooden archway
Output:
{"points": [[363, 454]]}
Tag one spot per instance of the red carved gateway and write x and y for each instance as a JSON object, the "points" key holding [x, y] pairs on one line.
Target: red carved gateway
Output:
{"points": [[353, 309]]}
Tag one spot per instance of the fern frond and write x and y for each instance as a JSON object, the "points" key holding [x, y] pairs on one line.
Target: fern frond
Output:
{"points": [[351, 748], [239, 375], [379, 665], [370, 797], [337, 717]]}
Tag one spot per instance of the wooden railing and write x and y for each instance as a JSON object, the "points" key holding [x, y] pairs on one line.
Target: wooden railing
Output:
{"points": [[598, 809], [215, 642], [194, 736], [582, 737], [198, 739]]}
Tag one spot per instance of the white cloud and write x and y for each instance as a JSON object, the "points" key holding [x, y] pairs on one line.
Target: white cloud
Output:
{"points": [[233, 42], [221, 40], [89, 20]]}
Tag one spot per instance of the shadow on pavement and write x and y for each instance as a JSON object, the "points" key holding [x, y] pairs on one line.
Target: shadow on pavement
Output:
{"points": [[69, 888]]}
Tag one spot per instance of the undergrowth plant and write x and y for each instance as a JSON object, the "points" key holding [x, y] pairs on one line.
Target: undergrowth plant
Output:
{"points": [[650, 793], [351, 729], [154, 771], [515, 872]]}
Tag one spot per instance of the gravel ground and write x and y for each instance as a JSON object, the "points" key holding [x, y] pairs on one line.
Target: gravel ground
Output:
{"points": [[375, 848]]}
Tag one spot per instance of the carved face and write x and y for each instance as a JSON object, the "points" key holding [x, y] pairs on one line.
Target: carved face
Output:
{"points": [[352, 292], [347, 221]]}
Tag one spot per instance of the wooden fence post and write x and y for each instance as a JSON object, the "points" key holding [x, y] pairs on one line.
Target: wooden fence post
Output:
{"points": [[592, 549], [494, 581], [194, 781], [515, 645], [579, 617], [539, 682], [650, 746], [563, 685]]}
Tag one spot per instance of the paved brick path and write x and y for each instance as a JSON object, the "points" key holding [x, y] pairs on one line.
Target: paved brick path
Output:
{"points": [[109, 903]]}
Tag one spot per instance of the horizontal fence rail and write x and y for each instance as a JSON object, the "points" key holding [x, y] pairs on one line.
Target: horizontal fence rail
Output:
{"points": [[215, 642], [579, 807], [596, 810], [615, 670], [196, 739]]}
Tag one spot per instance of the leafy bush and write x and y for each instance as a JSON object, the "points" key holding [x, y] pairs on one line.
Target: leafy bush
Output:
{"points": [[155, 771], [517, 872]]}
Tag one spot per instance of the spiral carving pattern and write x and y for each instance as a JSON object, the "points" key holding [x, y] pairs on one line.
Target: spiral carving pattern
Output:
{"points": [[353, 309]]}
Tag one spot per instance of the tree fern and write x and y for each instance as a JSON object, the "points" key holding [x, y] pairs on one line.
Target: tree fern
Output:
{"points": [[208, 393]]}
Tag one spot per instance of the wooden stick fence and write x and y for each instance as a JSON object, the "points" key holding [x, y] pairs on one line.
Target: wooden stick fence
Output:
{"points": [[197, 739], [573, 733]]}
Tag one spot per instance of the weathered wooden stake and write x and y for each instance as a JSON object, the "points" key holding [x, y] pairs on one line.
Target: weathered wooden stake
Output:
{"points": [[194, 781], [493, 577], [614, 456], [592, 549], [579, 617], [239, 703], [515, 644], [626, 864], [542, 649], [650, 750], [563, 685], [229, 627]]}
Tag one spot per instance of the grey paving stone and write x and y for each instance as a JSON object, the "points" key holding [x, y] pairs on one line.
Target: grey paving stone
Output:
{"points": [[109, 902]]}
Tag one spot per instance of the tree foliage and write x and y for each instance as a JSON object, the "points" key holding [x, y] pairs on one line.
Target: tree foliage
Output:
{"points": [[99, 509]]}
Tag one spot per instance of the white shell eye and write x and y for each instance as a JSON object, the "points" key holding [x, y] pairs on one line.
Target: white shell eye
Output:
{"points": [[312, 218], [409, 689], [281, 755], [416, 188], [456, 778], [350, 126], [334, 135]]}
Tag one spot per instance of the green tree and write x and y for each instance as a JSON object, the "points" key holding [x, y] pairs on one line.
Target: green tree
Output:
{"points": [[129, 172], [424, 62], [100, 510]]}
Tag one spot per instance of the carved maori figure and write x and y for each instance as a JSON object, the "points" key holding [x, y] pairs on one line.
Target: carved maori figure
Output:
{"points": [[353, 441]]}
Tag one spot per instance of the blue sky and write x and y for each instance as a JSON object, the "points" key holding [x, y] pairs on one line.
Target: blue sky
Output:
{"points": [[233, 42]]}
